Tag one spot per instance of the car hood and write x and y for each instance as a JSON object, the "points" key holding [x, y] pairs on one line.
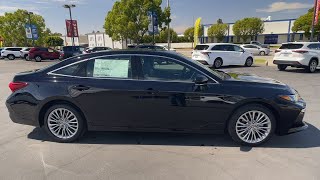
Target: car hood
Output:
{"points": [[246, 77]]}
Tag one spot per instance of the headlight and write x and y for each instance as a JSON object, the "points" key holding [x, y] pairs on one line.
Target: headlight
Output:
{"points": [[292, 98]]}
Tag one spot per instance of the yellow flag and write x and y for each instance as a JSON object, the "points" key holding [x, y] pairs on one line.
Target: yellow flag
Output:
{"points": [[196, 31]]}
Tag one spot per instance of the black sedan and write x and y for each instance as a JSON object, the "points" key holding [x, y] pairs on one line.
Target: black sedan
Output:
{"points": [[130, 91]]}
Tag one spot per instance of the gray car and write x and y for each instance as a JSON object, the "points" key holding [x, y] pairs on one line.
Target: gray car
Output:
{"points": [[256, 50]]}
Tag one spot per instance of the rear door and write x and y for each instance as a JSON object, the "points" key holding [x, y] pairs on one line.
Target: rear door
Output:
{"points": [[107, 90]]}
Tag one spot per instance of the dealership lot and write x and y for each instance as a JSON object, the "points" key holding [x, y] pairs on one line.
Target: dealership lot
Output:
{"points": [[28, 153]]}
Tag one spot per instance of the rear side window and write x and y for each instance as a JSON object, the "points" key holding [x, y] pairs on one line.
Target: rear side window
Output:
{"points": [[314, 46], [201, 47], [108, 67], [13, 49], [291, 46]]}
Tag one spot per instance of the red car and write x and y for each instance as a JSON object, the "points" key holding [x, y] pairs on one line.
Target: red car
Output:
{"points": [[40, 53]]}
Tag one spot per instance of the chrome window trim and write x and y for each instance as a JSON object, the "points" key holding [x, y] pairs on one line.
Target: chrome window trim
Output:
{"points": [[114, 78]]}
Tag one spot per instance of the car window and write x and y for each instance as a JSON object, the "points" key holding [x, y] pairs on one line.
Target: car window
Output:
{"points": [[291, 46], [201, 47], [160, 68], [237, 48], [314, 46], [218, 48], [110, 67]]}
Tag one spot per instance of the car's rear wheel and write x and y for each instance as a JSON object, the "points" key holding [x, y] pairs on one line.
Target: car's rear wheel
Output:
{"points": [[26, 57], [64, 123], [313, 64], [11, 57], [249, 62], [252, 125], [38, 58], [262, 53], [282, 67], [217, 63]]}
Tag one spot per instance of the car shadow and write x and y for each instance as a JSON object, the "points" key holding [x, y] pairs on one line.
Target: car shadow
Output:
{"points": [[300, 70], [305, 139]]}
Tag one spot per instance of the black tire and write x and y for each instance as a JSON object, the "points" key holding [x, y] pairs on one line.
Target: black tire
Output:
{"points": [[38, 58], [81, 124], [11, 57], [242, 110], [249, 62], [312, 67], [262, 53], [282, 67], [26, 57], [217, 63]]}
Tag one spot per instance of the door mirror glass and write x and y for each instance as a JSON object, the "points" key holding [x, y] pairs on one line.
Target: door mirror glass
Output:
{"points": [[201, 79]]}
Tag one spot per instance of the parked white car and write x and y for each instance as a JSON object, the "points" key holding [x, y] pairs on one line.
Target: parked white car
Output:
{"points": [[222, 54], [255, 49], [24, 53], [298, 54], [11, 52]]}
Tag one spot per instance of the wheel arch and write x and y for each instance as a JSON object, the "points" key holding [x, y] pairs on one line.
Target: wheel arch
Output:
{"points": [[269, 106], [315, 58], [53, 102]]}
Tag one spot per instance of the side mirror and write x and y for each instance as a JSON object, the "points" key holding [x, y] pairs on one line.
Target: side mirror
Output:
{"points": [[200, 80]]}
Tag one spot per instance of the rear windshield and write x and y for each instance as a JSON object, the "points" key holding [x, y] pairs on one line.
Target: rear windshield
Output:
{"points": [[201, 47], [291, 46]]}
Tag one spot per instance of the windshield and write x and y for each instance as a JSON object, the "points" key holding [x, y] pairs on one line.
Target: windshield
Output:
{"points": [[291, 46]]}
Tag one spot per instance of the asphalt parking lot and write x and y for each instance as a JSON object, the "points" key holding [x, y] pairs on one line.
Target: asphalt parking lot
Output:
{"points": [[27, 152]]}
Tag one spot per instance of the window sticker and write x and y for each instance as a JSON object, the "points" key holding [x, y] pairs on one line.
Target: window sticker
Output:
{"points": [[111, 68]]}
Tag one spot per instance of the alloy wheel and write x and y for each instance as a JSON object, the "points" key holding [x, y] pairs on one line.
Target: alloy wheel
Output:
{"points": [[63, 123], [253, 126], [313, 66]]}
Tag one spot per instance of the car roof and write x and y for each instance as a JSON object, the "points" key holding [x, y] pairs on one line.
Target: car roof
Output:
{"points": [[213, 44], [301, 43]]}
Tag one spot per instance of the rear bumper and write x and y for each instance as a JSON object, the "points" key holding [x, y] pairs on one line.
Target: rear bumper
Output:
{"points": [[288, 63], [203, 62]]}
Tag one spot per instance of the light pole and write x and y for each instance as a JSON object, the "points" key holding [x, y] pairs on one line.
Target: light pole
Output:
{"points": [[313, 20], [168, 5], [69, 6], [29, 17]]}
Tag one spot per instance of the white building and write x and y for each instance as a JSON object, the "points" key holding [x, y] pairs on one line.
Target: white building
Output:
{"points": [[102, 39], [276, 32]]}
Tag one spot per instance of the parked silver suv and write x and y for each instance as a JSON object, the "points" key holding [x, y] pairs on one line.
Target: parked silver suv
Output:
{"points": [[11, 52]]}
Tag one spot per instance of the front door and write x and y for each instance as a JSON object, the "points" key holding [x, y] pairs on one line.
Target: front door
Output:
{"points": [[171, 99]]}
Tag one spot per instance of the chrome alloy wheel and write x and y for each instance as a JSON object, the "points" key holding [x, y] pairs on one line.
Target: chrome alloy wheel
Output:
{"points": [[253, 126], [313, 66], [63, 123]]}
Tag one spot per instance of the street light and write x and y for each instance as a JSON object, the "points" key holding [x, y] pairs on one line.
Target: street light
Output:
{"points": [[168, 5], [69, 6], [29, 17]]}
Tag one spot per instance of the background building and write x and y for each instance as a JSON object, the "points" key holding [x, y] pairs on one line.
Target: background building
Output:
{"points": [[82, 40], [276, 32], [97, 39]]}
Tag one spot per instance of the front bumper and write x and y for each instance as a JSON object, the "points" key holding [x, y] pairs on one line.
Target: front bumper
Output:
{"points": [[299, 128]]}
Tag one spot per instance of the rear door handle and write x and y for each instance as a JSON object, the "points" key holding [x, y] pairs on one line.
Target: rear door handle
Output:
{"points": [[81, 88]]}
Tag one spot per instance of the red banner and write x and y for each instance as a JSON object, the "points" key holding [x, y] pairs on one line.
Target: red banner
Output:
{"points": [[72, 28], [317, 7]]}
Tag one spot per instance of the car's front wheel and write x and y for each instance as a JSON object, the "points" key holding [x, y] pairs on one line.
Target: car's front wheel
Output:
{"points": [[64, 123], [252, 125], [262, 53], [38, 58]]}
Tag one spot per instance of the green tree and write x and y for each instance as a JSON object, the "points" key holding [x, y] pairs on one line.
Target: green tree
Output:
{"points": [[218, 30], [189, 33], [304, 23], [129, 18], [13, 28], [248, 27], [163, 36], [54, 41]]}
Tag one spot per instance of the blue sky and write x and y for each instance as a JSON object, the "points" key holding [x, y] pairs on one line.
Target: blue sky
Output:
{"points": [[91, 13]]}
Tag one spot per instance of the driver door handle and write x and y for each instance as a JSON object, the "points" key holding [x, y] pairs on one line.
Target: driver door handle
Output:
{"points": [[81, 88]]}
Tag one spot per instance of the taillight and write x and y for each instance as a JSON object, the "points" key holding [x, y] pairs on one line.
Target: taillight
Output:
{"points": [[15, 86], [205, 53], [300, 51], [278, 50]]}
